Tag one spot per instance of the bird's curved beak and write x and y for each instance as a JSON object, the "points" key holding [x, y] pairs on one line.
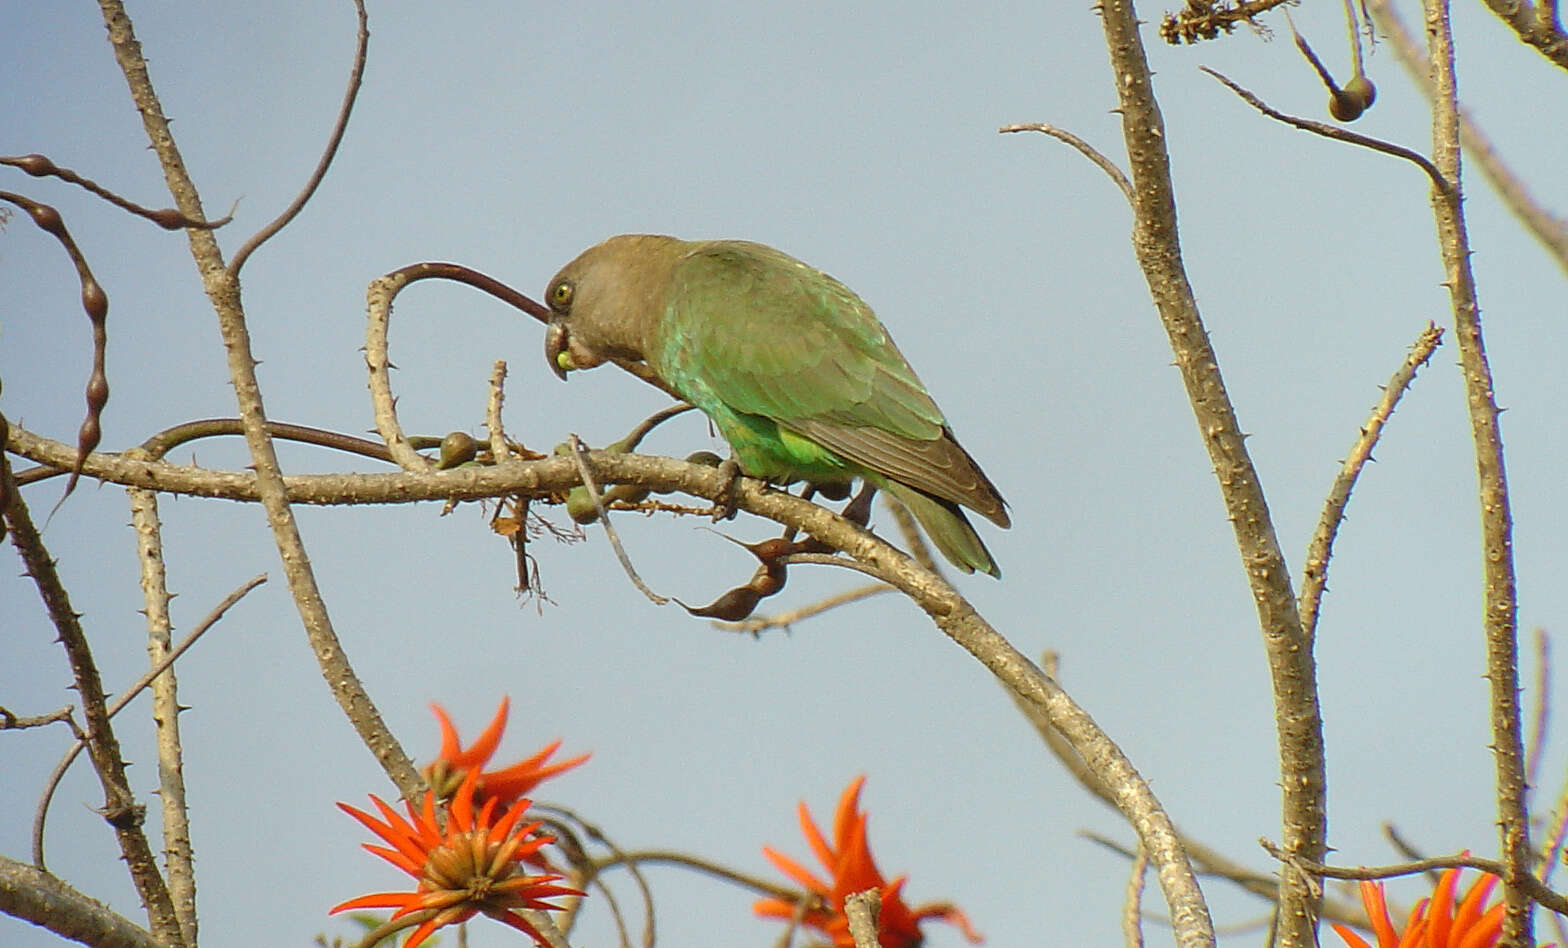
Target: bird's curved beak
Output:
{"points": [[555, 350]]}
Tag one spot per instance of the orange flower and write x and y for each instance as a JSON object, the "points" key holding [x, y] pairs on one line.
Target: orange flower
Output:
{"points": [[473, 866], [1434, 923], [852, 869], [452, 767]]}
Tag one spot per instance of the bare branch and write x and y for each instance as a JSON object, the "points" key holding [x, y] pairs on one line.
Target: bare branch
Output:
{"points": [[1548, 228], [1132, 903], [36, 896], [1532, 886], [1537, 27], [1084, 148], [39, 166], [355, 79], [10, 721], [1314, 574], [1292, 668], [1335, 132], [179, 866], [224, 291], [609, 529], [1500, 615], [861, 909], [120, 811], [124, 699]]}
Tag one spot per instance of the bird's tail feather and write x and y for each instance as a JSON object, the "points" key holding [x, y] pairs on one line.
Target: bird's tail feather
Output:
{"points": [[947, 527]]}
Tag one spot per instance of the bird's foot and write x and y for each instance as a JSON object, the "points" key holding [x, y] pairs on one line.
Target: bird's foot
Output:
{"points": [[858, 511], [724, 507]]}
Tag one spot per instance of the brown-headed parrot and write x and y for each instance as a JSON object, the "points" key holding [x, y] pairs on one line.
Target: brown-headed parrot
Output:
{"points": [[795, 370]]}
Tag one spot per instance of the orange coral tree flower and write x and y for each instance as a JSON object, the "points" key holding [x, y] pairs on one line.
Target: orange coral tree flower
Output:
{"points": [[471, 866], [852, 869], [453, 764], [1434, 923]]}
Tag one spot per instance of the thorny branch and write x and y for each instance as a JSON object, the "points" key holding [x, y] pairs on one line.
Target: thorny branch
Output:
{"points": [[1156, 242], [1314, 573], [1500, 618], [120, 810], [223, 290]]}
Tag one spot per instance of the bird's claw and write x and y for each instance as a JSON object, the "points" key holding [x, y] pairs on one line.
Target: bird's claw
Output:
{"points": [[724, 507]]}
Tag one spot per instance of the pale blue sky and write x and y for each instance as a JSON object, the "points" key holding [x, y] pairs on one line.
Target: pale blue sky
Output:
{"points": [[509, 137]]}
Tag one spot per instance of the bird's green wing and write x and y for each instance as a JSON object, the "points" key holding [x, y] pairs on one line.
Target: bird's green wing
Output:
{"points": [[767, 335]]}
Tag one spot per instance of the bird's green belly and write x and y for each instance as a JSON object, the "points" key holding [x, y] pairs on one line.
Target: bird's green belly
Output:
{"points": [[768, 450]]}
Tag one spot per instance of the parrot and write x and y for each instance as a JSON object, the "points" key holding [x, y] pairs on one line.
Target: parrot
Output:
{"points": [[792, 367]]}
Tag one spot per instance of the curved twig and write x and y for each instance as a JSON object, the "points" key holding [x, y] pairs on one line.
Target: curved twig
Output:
{"points": [[1337, 133], [355, 79], [943, 604], [604, 517], [223, 290], [1314, 574], [1084, 148], [39, 166], [1532, 886], [1551, 230], [125, 697]]}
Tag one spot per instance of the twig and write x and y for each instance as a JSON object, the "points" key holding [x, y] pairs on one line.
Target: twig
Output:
{"points": [[1208, 861], [178, 863], [120, 810], [672, 857], [170, 438], [861, 910], [355, 79], [493, 405], [1336, 133], [784, 620], [1537, 27], [1549, 229], [596, 834], [1554, 839], [10, 721], [125, 697], [1314, 575], [948, 610], [1532, 886], [1541, 720], [1132, 903], [1500, 613], [39, 166], [1084, 148], [224, 291], [1211, 864], [609, 529], [1292, 668], [36, 896]]}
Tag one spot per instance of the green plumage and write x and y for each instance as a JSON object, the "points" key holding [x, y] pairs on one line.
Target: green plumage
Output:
{"points": [[795, 370]]}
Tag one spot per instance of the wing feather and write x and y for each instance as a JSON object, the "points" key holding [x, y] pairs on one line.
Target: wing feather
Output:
{"points": [[768, 335]]}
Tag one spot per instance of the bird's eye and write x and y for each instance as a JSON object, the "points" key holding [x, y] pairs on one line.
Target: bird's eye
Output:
{"points": [[561, 296]]}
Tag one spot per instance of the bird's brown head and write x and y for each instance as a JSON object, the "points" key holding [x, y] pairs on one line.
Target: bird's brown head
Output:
{"points": [[605, 304]]}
